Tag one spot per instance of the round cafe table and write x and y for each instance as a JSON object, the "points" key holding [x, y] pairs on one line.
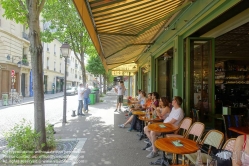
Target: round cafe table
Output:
{"points": [[138, 113], [146, 119], [168, 128], [166, 145]]}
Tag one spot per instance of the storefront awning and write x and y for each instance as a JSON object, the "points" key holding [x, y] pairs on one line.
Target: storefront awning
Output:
{"points": [[122, 30]]}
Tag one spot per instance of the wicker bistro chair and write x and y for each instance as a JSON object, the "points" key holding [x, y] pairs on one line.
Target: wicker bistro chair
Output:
{"points": [[195, 133], [213, 138], [229, 144], [184, 126]]}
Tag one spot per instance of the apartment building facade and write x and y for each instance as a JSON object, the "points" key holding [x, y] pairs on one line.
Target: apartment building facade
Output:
{"points": [[15, 55]]}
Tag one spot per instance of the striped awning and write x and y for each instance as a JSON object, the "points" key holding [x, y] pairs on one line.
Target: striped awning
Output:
{"points": [[122, 30]]}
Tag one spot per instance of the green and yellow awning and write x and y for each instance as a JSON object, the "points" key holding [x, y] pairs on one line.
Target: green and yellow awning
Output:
{"points": [[122, 30]]}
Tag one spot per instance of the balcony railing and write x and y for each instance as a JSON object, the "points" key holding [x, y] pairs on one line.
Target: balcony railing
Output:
{"points": [[25, 36]]}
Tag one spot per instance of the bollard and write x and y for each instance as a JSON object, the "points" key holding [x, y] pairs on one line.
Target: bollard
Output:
{"points": [[73, 113]]}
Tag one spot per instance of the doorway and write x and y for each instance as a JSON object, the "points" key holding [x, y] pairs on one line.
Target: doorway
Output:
{"points": [[165, 71], [200, 77], [23, 84]]}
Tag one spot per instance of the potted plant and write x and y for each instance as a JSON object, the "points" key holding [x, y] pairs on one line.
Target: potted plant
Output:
{"points": [[25, 62]]}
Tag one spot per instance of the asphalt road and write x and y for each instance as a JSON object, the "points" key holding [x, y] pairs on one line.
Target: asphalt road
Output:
{"points": [[53, 112]]}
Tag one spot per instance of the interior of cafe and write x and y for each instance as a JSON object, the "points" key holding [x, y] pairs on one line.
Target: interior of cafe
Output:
{"points": [[228, 71]]}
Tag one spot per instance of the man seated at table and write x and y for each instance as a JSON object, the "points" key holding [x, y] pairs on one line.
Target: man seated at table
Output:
{"points": [[175, 117]]}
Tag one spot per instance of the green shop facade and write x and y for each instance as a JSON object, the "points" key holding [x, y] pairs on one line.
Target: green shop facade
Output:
{"points": [[202, 55]]}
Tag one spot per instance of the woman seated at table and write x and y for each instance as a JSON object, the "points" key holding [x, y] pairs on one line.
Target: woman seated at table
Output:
{"points": [[135, 120], [241, 151], [138, 97], [163, 110], [142, 105], [175, 117]]}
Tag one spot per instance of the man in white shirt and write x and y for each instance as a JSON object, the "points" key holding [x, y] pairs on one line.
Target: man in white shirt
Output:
{"points": [[175, 117], [80, 98], [120, 90]]}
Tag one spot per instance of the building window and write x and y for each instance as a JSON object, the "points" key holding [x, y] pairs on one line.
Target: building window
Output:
{"points": [[54, 49], [47, 63], [47, 47], [54, 66]]}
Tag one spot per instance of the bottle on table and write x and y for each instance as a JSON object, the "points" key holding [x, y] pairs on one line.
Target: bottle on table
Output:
{"points": [[154, 114], [198, 161]]}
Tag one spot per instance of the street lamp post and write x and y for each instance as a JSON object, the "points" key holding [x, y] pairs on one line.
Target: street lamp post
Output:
{"points": [[65, 51]]}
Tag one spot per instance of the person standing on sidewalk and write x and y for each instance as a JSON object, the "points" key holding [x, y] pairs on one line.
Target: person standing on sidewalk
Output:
{"points": [[86, 93], [120, 90], [80, 98]]}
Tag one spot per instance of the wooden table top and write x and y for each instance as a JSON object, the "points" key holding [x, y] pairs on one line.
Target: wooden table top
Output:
{"points": [[169, 128], [144, 118], [166, 145], [240, 130], [138, 112]]}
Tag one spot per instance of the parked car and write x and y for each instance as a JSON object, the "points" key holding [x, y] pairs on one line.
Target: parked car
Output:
{"points": [[71, 91]]}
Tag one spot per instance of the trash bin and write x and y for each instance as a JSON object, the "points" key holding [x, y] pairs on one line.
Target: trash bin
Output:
{"points": [[92, 97], [5, 99], [96, 91]]}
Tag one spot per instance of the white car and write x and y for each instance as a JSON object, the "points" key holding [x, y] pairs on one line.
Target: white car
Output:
{"points": [[71, 91]]}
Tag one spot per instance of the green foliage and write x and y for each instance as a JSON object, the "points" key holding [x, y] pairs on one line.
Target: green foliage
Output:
{"points": [[50, 136], [109, 77], [23, 141], [22, 137], [94, 66], [66, 26], [15, 11]]}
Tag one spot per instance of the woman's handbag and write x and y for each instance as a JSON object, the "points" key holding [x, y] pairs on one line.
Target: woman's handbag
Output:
{"points": [[223, 157]]}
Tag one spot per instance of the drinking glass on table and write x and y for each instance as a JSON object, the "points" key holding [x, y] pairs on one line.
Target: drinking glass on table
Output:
{"points": [[211, 162]]}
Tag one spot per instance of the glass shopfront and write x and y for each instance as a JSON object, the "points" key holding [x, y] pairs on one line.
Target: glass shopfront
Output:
{"points": [[200, 95]]}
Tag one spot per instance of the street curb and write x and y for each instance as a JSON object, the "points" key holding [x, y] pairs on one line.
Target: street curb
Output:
{"points": [[29, 102]]}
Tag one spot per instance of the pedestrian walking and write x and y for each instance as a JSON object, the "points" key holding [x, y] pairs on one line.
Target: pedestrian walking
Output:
{"points": [[120, 90], [80, 99], [86, 93]]}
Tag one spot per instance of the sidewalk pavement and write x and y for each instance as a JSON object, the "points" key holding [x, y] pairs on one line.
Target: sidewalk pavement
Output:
{"points": [[104, 142], [30, 100]]}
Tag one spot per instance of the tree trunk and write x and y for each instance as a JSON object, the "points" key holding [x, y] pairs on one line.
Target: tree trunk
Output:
{"points": [[82, 58], [104, 91], [37, 70]]}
